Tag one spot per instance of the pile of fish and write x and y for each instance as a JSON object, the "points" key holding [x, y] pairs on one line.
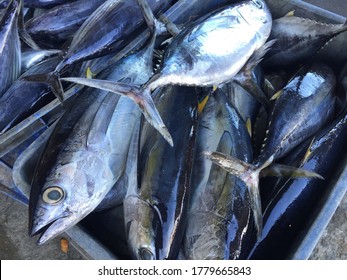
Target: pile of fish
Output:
{"points": [[220, 151]]}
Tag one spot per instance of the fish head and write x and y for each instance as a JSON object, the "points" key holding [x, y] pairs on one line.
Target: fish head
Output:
{"points": [[258, 16], [139, 220], [68, 194]]}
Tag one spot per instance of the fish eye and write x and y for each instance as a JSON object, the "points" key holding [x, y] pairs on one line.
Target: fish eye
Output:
{"points": [[258, 3], [53, 195], [146, 254]]}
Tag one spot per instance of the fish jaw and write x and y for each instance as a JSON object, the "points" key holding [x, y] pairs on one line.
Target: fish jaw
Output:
{"points": [[57, 227], [46, 215]]}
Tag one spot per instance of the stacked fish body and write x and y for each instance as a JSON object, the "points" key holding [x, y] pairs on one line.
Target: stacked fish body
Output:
{"points": [[299, 195], [20, 100], [204, 54], [155, 208], [44, 4], [303, 107], [173, 201], [97, 136], [60, 23], [9, 46], [220, 221], [298, 39]]}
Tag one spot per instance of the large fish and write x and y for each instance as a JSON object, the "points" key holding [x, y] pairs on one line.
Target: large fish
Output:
{"points": [[60, 23], [155, 206], [289, 211], [303, 107], [98, 36], [209, 52], [10, 52], [298, 39], [220, 221], [87, 152]]}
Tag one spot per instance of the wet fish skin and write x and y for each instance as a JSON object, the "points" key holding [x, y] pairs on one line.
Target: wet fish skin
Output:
{"points": [[247, 106], [10, 63], [310, 95], [220, 221], [22, 98], [304, 106], [298, 39], [286, 215], [93, 163], [155, 208], [99, 29], [29, 58], [61, 22], [44, 4], [61, 154], [98, 133], [4, 4], [207, 54], [197, 49]]}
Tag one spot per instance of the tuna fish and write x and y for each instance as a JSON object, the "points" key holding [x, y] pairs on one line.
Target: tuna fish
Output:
{"points": [[303, 107], [220, 222], [209, 52]]}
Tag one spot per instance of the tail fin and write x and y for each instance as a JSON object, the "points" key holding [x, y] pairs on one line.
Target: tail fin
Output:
{"points": [[22, 31], [247, 173], [245, 77], [280, 170], [53, 81], [250, 175], [141, 97]]}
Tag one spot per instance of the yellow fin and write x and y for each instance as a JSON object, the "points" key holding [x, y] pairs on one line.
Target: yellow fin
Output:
{"points": [[201, 105], [276, 95], [89, 73], [307, 154], [214, 88], [249, 126], [290, 14]]}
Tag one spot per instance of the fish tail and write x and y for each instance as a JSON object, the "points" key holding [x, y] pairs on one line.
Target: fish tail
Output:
{"points": [[153, 24], [51, 79], [249, 174], [245, 77], [141, 96], [280, 170], [26, 38]]}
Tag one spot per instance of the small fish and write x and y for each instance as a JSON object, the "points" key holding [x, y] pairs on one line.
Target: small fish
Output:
{"points": [[220, 221], [155, 206], [304, 106]]}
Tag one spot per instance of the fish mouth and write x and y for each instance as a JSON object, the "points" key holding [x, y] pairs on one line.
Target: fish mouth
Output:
{"points": [[52, 228]]}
